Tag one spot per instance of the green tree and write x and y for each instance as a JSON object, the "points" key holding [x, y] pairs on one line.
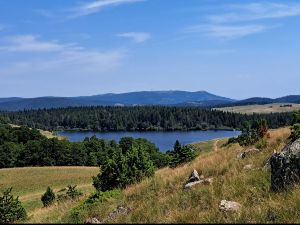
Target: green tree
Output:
{"points": [[11, 208], [181, 154], [48, 197]]}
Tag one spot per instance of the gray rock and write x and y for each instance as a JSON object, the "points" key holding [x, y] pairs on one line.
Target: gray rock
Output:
{"points": [[229, 206], [194, 176], [92, 221], [120, 210], [285, 167], [247, 152]]}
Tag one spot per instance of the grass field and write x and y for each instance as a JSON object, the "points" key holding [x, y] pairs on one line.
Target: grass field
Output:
{"points": [[269, 108], [31, 182], [162, 199]]}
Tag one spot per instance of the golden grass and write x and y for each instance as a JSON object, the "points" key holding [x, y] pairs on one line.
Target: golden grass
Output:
{"points": [[31, 182], [268, 108], [162, 199]]}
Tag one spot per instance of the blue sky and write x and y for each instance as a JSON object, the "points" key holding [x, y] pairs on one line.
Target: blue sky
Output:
{"points": [[232, 48]]}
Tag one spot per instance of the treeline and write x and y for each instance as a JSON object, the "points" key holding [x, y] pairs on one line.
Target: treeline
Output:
{"points": [[138, 118], [21, 146]]}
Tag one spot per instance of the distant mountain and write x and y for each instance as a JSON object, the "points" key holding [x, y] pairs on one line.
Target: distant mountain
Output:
{"points": [[200, 98], [169, 98]]}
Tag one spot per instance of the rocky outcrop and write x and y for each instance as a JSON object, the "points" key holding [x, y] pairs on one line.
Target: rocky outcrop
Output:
{"points": [[229, 206], [195, 179], [285, 167]]}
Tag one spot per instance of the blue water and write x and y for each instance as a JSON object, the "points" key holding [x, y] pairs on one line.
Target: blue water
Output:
{"points": [[164, 140]]}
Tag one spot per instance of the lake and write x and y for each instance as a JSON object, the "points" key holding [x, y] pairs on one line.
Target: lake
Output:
{"points": [[164, 140]]}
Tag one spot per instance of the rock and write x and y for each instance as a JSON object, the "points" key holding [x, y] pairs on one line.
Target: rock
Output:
{"points": [[191, 184], [194, 177], [208, 181], [229, 206], [92, 221], [248, 167], [285, 167], [247, 152]]}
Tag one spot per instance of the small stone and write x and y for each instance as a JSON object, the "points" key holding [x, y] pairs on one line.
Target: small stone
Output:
{"points": [[248, 167], [191, 184], [92, 221], [229, 206]]}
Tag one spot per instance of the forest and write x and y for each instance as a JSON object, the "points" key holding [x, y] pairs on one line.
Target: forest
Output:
{"points": [[22, 146], [138, 118]]}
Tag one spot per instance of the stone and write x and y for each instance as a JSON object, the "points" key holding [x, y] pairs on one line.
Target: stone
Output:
{"points": [[191, 184], [248, 167], [247, 152], [92, 221], [194, 176], [285, 167], [229, 206]]}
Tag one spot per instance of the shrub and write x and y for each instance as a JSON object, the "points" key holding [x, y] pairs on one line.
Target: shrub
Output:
{"points": [[48, 197], [181, 154], [11, 208], [72, 192], [123, 168], [295, 132], [261, 144]]}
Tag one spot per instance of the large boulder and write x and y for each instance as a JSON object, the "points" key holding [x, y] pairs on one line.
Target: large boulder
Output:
{"points": [[195, 179], [194, 176], [285, 167]]}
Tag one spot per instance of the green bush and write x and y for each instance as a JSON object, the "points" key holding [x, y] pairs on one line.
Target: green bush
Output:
{"points": [[261, 144], [181, 154], [120, 169], [48, 197], [295, 132], [11, 208]]}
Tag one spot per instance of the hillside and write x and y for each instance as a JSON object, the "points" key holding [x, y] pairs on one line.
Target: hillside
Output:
{"points": [[262, 109], [162, 199]]}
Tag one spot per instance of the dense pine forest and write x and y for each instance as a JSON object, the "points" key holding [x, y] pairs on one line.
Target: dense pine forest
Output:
{"points": [[139, 118]]}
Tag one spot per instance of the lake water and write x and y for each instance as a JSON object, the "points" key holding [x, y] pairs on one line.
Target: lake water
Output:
{"points": [[164, 140]]}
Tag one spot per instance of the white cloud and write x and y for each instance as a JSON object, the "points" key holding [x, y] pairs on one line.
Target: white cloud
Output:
{"points": [[226, 31], [256, 11], [30, 43], [49, 57], [137, 37], [96, 6]]}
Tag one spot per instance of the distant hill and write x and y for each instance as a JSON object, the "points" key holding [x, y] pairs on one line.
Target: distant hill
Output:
{"points": [[168, 98], [127, 99]]}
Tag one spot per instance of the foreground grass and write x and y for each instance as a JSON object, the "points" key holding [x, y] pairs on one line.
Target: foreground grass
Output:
{"points": [[31, 182], [162, 199]]}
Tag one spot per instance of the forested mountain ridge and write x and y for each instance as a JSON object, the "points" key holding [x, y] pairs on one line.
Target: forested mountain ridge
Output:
{"points": [[139, 118]]}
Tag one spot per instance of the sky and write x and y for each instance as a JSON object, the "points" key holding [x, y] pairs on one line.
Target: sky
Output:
{"points": [[232, 48]]}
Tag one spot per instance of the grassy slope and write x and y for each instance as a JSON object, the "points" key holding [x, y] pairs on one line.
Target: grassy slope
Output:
{"points": [[162, 200], [268, 108], [31, 182]]}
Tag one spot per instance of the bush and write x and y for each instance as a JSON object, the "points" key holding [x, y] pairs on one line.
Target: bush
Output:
{"points": [[48, 197], [261, 144], [72, 192], [295, 132], [123, 168], [11, 209], [181, 154]]}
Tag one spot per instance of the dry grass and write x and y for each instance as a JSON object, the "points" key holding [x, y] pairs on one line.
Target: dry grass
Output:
{"points": [[31, 182], [268, 108], [162, 199]]}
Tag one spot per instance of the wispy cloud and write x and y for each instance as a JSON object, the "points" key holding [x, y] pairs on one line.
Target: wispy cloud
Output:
{"points": [[96, 6], [237, 21], [137, 37], [227, 32], [46, 57], [256, 11]]}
